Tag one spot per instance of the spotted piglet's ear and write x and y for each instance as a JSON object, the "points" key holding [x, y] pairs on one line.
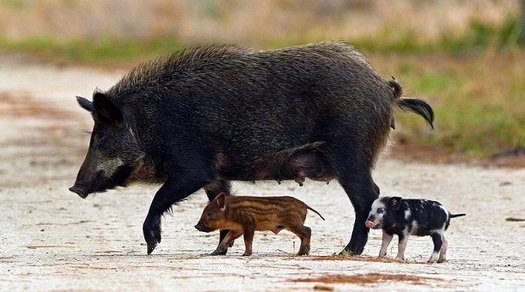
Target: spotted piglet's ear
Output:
{"points": [[394, 202]]}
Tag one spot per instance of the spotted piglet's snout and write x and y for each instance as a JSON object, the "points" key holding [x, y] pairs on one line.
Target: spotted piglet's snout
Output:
{"points": [[372, 222]]}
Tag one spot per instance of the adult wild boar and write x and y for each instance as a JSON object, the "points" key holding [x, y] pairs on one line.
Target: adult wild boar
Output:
{"points": [[209, 115]]}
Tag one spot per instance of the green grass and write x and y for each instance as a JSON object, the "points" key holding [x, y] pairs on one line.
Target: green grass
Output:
{"points": [[100, 52], [478, 100], [475, 82], [479, 36]]}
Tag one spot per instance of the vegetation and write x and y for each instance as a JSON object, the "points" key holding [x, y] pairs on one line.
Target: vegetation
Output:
{"points": [[102, 52], [474, 81]]}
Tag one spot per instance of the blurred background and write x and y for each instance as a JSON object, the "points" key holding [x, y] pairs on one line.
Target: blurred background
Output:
{"points": [[466, 58]]}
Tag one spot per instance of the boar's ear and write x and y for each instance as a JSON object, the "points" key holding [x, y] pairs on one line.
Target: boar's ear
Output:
{"points": [[85, 104], [106, 109], [220, 201], [394, 202]]}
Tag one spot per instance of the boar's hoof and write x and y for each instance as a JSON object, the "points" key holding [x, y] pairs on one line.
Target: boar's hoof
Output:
{"points": [[355, 248], [246, 254], [346, 252], [151, 230], [151, 247]]}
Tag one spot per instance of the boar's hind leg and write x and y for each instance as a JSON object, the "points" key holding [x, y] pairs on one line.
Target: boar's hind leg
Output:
{"points": [[354, 174], [212, 190], [176, 188], [361, 194]]}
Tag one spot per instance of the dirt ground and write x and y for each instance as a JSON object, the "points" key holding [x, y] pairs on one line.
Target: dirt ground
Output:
{"points": [[50, 239]]}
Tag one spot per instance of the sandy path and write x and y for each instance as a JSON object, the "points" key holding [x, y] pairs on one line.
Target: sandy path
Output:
{"points": [[50, 239]]}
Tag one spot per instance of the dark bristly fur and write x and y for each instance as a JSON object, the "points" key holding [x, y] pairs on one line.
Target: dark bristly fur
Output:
{"points": [[243, 215], [206, 116]]}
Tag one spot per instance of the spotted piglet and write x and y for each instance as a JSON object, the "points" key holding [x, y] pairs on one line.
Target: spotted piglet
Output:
{"points": [[405, 217]]}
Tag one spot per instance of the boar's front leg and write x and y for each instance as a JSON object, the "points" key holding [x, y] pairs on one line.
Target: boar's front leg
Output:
{"points": [[177, 187], [222, 248]]}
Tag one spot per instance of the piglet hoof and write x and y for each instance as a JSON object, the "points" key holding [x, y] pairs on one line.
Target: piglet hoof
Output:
{"points": [[246, 254], [401, 260], [219, 252], [303, 252]]}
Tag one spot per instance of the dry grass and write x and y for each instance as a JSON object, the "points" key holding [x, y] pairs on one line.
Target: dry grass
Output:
{"points": [[446, 52], [369, 278], [477, 99], [245, 22]]}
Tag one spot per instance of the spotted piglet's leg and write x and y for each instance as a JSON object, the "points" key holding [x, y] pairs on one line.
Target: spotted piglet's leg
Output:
{"points": [[443, 253], [437, 238], [387, 238], [402, 245]]}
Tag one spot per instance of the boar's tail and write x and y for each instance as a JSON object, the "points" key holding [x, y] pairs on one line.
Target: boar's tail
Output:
{"points": [[419, 107], [310, 208], [415, 105], [457, 215], [396, 87]]}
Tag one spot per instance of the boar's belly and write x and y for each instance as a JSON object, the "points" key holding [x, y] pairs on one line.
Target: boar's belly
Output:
{"points": [[297, 164]]}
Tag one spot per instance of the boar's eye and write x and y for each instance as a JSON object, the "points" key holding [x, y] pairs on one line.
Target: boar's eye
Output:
{"points": [[380, 210], [99, 137], [210, 214]]}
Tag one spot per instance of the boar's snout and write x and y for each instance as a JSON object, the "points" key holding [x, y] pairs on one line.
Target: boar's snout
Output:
{"points": [[202, 227], [79, 190]]}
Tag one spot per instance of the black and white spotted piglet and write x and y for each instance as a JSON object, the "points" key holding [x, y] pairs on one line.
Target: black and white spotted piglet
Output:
{"points": [[405, 217]]}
